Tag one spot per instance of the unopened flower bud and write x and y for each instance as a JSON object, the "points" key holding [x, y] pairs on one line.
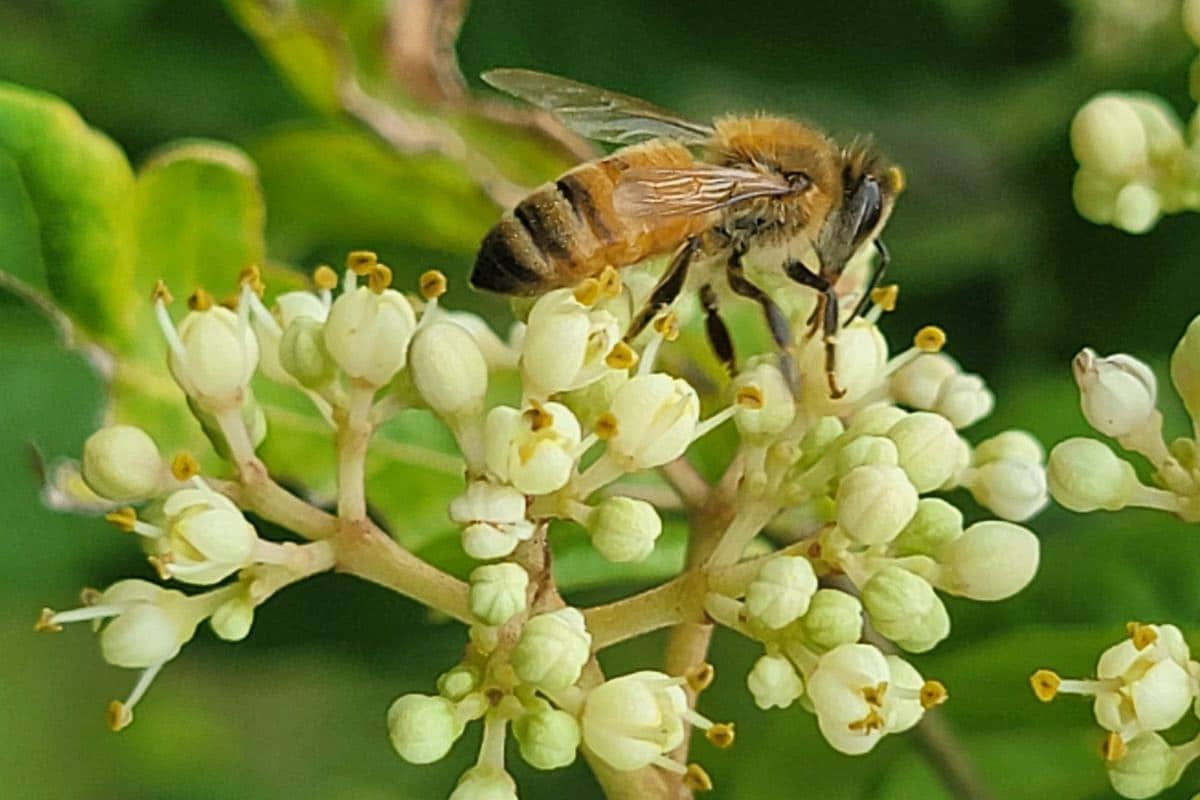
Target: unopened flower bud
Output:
{"points": [[552, 649], [1107, 136], [233, 619], [1013, 490], [904, 608], [1013, 445], [781, 592], [1149, 767], [656, 417], [485, 782], [589, 402], [302, 353], [458, 682], [874, 503], [1191, 20], [1095, 195], [548, 738], [992, 560], [775, 409], [834, 618], [918, 383], [624, 529], [423, 728], [928, 447], [367, 333], [494, 519], [1137, 208], [1117, 394], [963, 399], [289, 307], [1085, 475], [867, 451], [497, 592], [449, 370], [1185, 369], [876, 419], [534, 449], [122, 463], [215, 358], [774, 682], [566, 344], [935, 524], [861, 355], [817, 439]]}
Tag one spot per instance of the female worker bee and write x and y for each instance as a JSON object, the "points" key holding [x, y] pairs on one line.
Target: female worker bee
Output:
{"points": [[705, 194]]}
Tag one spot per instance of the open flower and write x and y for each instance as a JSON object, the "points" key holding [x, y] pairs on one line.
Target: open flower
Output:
{"points": [[494, 519], [566, 344], [535, 449]]}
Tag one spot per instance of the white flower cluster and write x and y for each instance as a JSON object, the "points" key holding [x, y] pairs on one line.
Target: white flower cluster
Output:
{"points": [[1136, 159], [1144, 686], [1119, 396]]}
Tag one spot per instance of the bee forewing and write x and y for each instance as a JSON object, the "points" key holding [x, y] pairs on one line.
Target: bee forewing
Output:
{"points": [[698, 189]]}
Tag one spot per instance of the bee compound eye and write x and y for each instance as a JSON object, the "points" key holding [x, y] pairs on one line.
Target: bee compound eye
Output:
{"points": [[868, 206]]}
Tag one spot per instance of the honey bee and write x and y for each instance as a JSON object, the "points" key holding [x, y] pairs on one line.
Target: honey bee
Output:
{"points": [[703, 193]]}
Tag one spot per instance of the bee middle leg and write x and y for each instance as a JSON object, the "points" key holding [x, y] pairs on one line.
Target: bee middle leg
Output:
{"points": [[668, 288], [777, 322], [827, 311], [718, 334]]}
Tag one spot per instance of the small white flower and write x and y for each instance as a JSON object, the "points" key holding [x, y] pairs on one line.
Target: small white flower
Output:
{"points": [[1117, 393], [1148, 767], [212, 355], [566, 344], [991, 560], [449, 370], [122, 463], [1013, 490], [423, 728], [204, 537], [781, 592], [367, 333], [928, 447], [536, 449], [656, 418], [834, 618], [553, 649], [1085, 475], [624, 529], [548, 738], [494, 519], [773, 408], [633, 721], [497, 592], [148, 626], [904, 608], [874, 503], [774, 682]]}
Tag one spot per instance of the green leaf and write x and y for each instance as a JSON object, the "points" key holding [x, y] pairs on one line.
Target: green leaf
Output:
{"points": [[64, 210]]}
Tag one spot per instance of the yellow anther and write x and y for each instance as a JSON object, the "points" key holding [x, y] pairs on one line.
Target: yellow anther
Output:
{"points": [[162, 565], [896, 179], [537, 417], [749, 396], [46, 623], [873, 721], [184, 466], [1142, 635], [874, 694], [700, 677], [886, 296], [588, 292], [161, 292], [118, 716], [721, 735], [696, 779], [251, 276], [933, 693], [124, 518], [379, 278], [1113, 747], [610, 281], [324, 277], [433, 284], [606, 426], [231, 302], [667, 325], [200, 300], [361, 262], [622, 356], [1045, 684], [930, 339]]}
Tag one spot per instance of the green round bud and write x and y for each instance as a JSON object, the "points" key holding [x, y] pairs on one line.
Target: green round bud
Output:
{"points": [[552, 650], [876, 419], [904, 608], [875, 503], [1185, 368], [423, 728], [458, 682], [781, 592], [485, 782], [935, 524], [777, 408], [817, 439], [233, 618], [302, 353], [624, 529], [834, 618], [1086, 475], [497, 592], [1013, 444], [1107, 136], [774, 682], [1137, 208], [1095, 195], [448, 369], [867, 451], [122, 463], [548, 738], [928, 447], [1149, 767]]}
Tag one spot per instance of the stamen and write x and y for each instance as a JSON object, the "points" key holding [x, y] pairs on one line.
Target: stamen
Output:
{"points": [[251, 277], [712, 422], [696, 779], [46, 623], [379, 278], [930, 339], [324, 278], [667, 325], [933, 693], [885, 297], [161, 298], [896, 179], [700, 677], [124, 518], [874, 694], [537, 417], [622, 356], [1142, 635], [606, 426], [721, 735], [750, 397], [1046, 684], [161, 293], [200, 300], [433, 284], [671, 765], [1113, 747], [588, 292], [120, 715], [610, 281], [872, 722], [361, 262], [184, 466], [55, 620], [162, 565]]}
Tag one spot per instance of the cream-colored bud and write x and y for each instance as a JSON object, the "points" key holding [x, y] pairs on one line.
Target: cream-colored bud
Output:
{"points": [[1149, 767], [935, 524], [1117, 393], [624, 529], [1095, 195], [917, 383], [781, 592], [485, 782], [367, 334], [992, 560], [777, 408], [494, 519], [1086, 475], [817, 439], [216, 358], [1013, 490], [963, 399], [303, 355], [874, 503], [1137, 208], [449, 370], [904, 608], [552, 649], [548, 738], [1107, 136], [1185, 369], [774, 682], [1191, 20], [497, 592], [928, 448], [834, 618], [423, 728], [122, 463], [233, 619], [862, 353], [867, 451], [1012, 444], [458, 682]]}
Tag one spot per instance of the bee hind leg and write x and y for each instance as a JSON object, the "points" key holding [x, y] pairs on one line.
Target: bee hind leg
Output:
{"points": [[826, 313], [777, 322], [668, 288]]}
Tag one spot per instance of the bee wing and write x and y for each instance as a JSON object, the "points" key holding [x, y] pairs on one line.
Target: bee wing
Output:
{"points": [[594, 112], [698, 189]]}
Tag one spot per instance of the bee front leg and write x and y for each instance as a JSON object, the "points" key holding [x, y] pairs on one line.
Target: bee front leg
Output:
{"points": [[668, 288], [718, 334], [826, 312], [880, 267]]}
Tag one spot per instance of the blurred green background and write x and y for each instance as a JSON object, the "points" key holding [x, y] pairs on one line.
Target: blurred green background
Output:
{"points": [[973, 97]]}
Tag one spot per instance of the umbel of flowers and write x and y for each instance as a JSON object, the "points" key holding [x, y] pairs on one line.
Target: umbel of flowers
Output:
{"points": [[831, 513]]}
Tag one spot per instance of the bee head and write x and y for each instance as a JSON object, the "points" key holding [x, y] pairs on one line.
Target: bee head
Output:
{"points": [[869, 189]]}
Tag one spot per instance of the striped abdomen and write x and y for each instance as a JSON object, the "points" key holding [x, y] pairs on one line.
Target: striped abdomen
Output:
{"points": [[568, 230]]}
